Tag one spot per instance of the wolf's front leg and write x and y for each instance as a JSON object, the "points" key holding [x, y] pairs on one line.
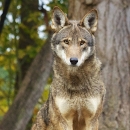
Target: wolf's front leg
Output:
{"points": [[40, 124], [95, 127]]}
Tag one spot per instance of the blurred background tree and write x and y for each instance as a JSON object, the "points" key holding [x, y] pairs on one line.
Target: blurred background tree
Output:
{"points": [[26, 59]]}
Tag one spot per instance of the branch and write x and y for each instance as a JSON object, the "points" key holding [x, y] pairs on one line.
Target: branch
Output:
{"points": [[3, 16], [46, 17]]}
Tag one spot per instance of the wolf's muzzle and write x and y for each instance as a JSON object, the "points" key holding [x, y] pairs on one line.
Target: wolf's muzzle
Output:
{"points": [[74, 60]]}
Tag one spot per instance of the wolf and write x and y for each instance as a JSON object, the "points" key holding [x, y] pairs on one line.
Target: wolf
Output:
{"points": [[77, 91]]}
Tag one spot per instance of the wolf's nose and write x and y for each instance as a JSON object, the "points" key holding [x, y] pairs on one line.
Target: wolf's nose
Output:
{"points": [[73, 60]]}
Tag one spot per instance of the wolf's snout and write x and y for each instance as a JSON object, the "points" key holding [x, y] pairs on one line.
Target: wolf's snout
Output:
{"points": [[73, 60]]}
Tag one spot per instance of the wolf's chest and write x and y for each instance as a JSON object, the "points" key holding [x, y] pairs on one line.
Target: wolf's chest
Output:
{"points": [[81, 106]]}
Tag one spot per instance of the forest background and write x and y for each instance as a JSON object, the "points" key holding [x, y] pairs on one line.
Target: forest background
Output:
{"points": [[26, 58]]}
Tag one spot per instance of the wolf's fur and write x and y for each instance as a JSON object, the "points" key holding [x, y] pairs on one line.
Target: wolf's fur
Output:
{"points": [[77, 93]]}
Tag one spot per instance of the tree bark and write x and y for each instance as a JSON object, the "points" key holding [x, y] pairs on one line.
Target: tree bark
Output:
{"points": [[113, 49], [30, 91]]}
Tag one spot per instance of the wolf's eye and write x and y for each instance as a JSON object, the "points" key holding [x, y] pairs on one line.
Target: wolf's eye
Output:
{"points": [[66, 41], [82, 43]]}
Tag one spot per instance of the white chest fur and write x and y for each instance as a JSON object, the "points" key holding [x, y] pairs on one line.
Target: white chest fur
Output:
{"points": [[66, 105]]}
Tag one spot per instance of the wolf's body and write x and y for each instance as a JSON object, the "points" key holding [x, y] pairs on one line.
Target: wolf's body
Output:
{"points": [[77, 93]]}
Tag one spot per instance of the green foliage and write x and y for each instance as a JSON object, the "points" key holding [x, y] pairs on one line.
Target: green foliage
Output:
{"points": [[63, 4], [10, 52], [6, 90]]}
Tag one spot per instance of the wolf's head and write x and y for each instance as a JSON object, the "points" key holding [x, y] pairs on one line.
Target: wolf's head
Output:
{"points": [[73, 41]]}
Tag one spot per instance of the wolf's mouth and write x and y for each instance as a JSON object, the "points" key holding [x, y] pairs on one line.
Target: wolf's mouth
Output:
{"points": [[73, 65]]}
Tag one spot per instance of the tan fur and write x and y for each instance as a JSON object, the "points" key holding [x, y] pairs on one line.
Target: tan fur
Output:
{"points": [[77, 92]]}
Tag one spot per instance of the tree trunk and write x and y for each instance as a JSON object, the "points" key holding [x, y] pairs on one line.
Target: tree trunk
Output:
{"points": [[28, 7], [30, 90], [113, 49]]}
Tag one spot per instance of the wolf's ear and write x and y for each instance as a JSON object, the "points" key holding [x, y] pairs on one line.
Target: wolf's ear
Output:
{"points": [[59, 19], [90, 20]]}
